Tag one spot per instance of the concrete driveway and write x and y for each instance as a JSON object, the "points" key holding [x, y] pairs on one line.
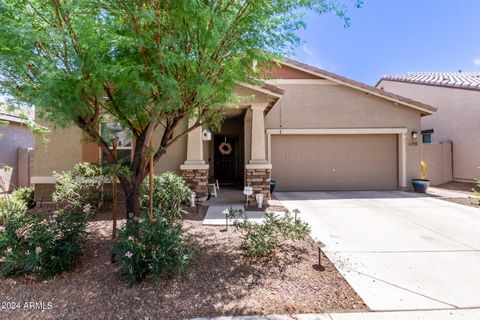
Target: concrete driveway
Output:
{"points": [[398, 250]]}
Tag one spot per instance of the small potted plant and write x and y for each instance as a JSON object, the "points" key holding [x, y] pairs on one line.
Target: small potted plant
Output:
{"points": [[421, 185], [273, 183]]}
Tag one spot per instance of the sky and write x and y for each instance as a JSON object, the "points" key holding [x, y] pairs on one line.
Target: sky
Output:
{"points": [[395, 36]]}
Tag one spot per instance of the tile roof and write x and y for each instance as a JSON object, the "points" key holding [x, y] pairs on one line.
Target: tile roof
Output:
{"points": [[18, 114], [464, 80], [427, 109]]}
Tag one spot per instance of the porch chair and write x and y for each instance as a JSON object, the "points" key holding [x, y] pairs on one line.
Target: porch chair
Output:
{"points": [[215, 186]]}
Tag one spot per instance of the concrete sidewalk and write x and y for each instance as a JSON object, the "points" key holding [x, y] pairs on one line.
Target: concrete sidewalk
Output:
{"points": [[454, 314]]}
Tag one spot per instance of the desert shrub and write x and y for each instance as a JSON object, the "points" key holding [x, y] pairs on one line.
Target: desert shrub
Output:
{"points": [[476, 190], [41, 246], [10, 208], [262, 239], [154, 249], [24, 195], [169, 193], [82, 185]]}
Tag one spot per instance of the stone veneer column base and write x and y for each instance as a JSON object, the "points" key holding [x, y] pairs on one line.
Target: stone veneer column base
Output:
{"points": [[258, 176], [196, 177]]}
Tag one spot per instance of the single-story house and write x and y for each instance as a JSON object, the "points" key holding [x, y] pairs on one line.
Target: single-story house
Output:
{"points": [[457, 97], [305, 128], [16, 151]]}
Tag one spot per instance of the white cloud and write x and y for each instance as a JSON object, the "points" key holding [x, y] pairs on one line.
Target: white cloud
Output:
{"points": [[307, 50], [477, 61], [308, 55]]}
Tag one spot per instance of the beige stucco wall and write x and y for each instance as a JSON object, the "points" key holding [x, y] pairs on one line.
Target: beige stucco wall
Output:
{"points": [[337, 106], [62, 152], [456, 120], [176, 153], [14, 137], [438, 158]]}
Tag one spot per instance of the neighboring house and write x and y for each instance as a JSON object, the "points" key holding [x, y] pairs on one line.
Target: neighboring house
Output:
{"points": [[16, 151], [457, 97], [306, 128]]}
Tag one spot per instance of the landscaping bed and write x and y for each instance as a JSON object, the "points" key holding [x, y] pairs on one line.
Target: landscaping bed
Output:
{"points": [[463, 187], [220, 281]]}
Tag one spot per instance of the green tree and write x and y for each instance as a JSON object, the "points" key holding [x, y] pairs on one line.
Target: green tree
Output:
{"points": [[147, 64]]}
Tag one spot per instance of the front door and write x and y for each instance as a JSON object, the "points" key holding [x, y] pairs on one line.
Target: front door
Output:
{"points": [[227, 169]]}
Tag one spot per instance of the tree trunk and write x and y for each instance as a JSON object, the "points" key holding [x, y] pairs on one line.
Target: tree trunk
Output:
{"points": [[132, 198]]}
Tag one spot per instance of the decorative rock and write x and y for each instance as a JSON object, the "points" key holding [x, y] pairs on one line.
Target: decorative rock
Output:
{"points": [[197, 181], [259, 180]]}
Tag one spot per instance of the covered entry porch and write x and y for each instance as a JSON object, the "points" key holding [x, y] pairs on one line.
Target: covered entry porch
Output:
{"points": [[235, 155]]}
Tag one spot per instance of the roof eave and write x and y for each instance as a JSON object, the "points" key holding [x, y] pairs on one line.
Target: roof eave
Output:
{"points": [[423, 108]]}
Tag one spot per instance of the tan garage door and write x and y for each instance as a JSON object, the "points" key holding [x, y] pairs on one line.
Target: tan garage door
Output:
{"points": [[334, 162]]}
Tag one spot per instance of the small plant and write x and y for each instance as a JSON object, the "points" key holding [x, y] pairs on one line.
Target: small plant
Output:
{"points": [[169, 194], [476, 190], [44, 247], [24, 195], [154, 249], [9, 209], [82, 185], [262, 239]]}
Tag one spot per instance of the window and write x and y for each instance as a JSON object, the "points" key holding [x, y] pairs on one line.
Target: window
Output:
{"points": [[427, 136], [115, 130]]}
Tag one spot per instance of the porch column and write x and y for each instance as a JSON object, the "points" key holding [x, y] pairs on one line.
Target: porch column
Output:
{"points": [[194, 145], [258, 154], [194, 170], [402, 161], [258, 171]]}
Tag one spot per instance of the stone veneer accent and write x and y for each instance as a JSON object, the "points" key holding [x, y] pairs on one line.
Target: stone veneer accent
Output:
{"points": [[197, 181], [259, 179]]}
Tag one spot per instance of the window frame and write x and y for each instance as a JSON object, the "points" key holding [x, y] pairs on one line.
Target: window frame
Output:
{"points": [[131, 147]]}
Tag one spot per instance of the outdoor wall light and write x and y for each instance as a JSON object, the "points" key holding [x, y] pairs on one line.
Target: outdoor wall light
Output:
{"points": [[414, 134]]}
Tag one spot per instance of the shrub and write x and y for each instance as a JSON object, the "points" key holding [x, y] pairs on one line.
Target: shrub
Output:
{"points": [[30, 244], [476, 190], [262, 239], [82, 185], [24, 195], [9, 209], [154, 249], [169, 193]]}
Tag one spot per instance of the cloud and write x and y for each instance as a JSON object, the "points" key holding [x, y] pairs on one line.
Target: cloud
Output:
{"points": [[309, 51], [477, 61], [308, 55]]}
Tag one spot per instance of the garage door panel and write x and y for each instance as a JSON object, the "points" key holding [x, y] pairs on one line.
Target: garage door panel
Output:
{"points": [[335, 162]]}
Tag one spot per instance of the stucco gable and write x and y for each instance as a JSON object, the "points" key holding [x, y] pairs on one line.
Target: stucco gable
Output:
{"points": [[278, 70], [323, 74]]}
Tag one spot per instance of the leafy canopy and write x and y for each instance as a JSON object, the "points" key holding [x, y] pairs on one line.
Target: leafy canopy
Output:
{"points": [[140, 61], [147, 64]]}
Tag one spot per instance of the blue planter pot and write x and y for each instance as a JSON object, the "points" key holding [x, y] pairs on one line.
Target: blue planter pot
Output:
{"points": [[420, 185], [273, 183]]}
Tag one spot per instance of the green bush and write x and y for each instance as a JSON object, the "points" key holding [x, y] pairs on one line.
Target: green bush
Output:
{"points": [[24, 195], [262, 239], [476, 190], [30, 244], [169, 193], [82, 185], [9, 209], [154, 249]]}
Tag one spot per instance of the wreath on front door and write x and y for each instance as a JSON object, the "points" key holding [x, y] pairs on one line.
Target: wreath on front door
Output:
{"points": [[225, 147]]}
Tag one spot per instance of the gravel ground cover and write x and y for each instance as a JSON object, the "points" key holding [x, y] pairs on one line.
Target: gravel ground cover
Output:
{"points": [[220, 281]]}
